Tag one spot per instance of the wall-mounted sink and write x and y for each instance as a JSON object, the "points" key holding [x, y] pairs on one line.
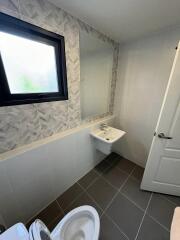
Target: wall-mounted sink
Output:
{"points": [[105, 136]]}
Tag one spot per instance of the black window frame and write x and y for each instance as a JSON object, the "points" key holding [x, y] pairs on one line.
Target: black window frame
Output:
{"points": [[18, 27]]}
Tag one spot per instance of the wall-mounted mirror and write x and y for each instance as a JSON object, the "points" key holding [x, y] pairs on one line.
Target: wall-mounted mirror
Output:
{"points": [[96, 62]]}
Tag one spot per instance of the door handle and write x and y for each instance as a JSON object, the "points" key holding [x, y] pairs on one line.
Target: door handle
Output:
{"points": [[161, 135]]}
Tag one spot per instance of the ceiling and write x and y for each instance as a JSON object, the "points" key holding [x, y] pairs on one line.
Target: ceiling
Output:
{"points": [[124, 20]]}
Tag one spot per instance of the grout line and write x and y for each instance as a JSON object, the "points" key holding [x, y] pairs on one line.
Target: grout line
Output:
{"points": [[107, 181], [81, 186], [84, 189], [127, 179], [140, 208], [95, 202], [116, 225], [74, 200], [166, 198], [115, 195], [34, 216], [135, 179], [111, 183], [125, 171], [111, 165], [60, 206], [155, 220], [104, 178], [93, 181], [108, 168], [103, 171], [143, 216], [99, 174], [118, 191], [92, 199], [114, 164]]}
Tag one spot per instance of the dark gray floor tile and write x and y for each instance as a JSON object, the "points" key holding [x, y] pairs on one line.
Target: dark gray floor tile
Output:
{"points": [[132, 190], [174, 199], [150, 230], [68, 196], [115, 176], [109, 231], [84, 199], [48, 214], [126, 215], [88, 179], [138, 173], [102, 166], [161, 209], [102, 192], [124, 164], [55, 222], [112, 158]]}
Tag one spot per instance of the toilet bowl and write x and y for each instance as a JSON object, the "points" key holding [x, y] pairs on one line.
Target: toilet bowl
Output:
{"points": [[81, 223]]}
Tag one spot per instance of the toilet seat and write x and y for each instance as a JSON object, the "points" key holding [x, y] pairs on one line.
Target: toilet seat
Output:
{"points": [[39, 231]]}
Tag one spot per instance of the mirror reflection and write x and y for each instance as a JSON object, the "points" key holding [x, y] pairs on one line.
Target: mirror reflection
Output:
{"points": [[96, 62]]}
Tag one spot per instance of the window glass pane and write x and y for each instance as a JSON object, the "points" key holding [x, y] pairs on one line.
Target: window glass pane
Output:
{"points": [[30, 66]]}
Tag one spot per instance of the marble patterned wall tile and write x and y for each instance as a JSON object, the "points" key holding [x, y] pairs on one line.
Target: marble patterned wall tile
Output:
{"points": [[55, 119], [114, 77], [24, 124], [11, 5]]}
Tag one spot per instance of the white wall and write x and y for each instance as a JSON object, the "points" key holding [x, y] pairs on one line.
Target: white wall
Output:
{"points": [[32, 177], [144, 68]]}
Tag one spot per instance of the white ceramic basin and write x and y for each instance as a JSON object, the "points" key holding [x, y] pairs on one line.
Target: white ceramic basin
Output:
{"points": [[104, 139], [109, 135]]}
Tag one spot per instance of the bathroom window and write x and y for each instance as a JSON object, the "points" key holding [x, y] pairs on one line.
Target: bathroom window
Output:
{"points": [[32, 63]]}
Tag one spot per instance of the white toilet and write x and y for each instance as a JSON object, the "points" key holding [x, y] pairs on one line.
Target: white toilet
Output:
{"points": [[81, 223]]}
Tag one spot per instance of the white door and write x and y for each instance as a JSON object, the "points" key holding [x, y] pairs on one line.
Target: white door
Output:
{"points": [[162, 172]]}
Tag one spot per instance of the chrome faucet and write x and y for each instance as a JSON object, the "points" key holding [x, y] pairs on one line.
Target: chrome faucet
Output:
{"points": [[103, 126]]}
